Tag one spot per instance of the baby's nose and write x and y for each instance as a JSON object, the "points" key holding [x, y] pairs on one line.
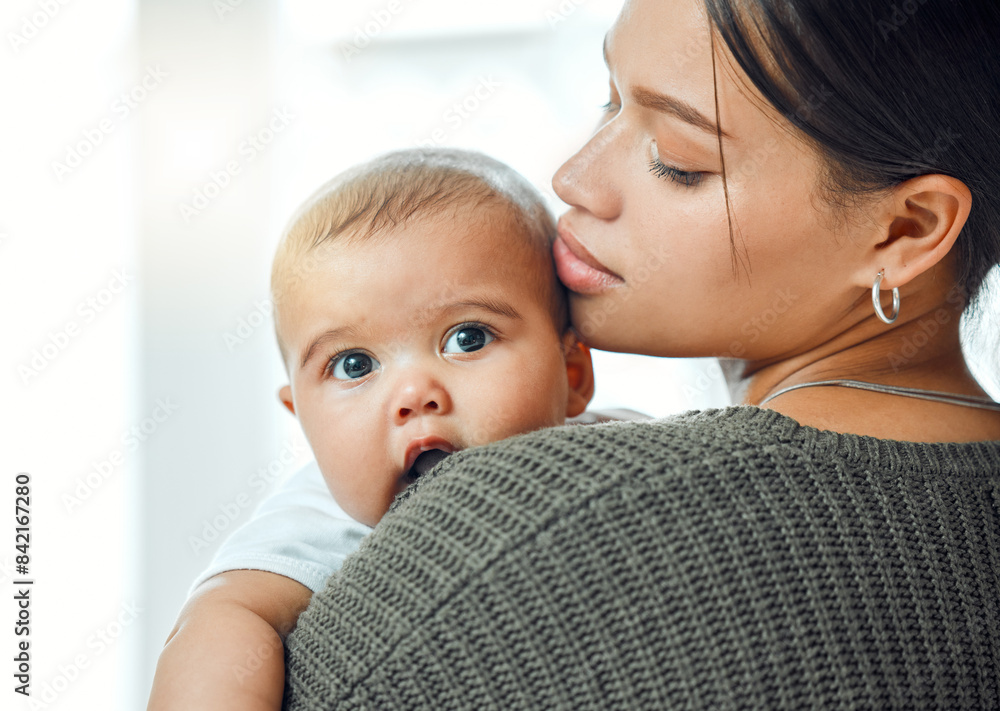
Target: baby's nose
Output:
{"points": [[428, 406], [420, 395]]}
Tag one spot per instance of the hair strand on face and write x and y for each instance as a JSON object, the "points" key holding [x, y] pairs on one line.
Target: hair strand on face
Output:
{"points": [[740, 257]]}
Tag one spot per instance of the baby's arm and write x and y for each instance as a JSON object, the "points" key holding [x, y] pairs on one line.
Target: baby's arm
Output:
{"points": [[226, 651]]}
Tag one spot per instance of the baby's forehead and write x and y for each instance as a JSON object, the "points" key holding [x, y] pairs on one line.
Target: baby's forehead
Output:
{"points": [[490, 235], [475, 240]]}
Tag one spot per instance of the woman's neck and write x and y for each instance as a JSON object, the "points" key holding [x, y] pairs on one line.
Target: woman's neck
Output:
{"points": [[923, 352]]}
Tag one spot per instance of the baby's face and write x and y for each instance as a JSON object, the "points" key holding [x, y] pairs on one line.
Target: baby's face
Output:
{"points": [[439, 335]]}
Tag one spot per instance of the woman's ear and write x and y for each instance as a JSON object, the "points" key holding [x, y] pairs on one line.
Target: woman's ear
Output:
{"points": [[579, 375], [285, 395], [918, 225]]}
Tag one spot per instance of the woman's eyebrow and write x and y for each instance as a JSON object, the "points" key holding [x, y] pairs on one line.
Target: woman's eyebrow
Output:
{"points": [[675, 107], [671, 105]]}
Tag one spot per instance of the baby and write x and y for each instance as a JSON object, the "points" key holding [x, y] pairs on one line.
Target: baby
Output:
{"points": [[418, 313]]}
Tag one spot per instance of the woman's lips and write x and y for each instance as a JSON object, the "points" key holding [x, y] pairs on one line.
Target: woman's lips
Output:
{"points": [[578, 269]]}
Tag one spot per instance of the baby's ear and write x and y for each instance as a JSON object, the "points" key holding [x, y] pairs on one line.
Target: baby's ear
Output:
{"points": [[579, 375], [285, 395]]}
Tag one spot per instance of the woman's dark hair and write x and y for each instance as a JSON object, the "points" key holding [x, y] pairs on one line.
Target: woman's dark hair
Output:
{"points": [[886, 91]]}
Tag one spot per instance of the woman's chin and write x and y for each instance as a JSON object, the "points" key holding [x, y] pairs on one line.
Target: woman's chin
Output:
{"points": [[605, 329]]}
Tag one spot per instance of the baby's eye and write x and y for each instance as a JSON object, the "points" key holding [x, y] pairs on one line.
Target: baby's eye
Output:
{"points": [[468, 339], [351, 366]]}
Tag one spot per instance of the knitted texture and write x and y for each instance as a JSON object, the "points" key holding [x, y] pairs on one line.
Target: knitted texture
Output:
{"points": [[716, 560]]}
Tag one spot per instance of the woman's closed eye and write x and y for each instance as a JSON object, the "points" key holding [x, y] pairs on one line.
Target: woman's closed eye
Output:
{"points": [[611, 107], [657, 167], [351, 365], [685, 178]]}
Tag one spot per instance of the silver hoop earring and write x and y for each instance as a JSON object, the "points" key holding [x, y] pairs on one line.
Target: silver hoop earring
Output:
{"points": [[877, 300]]}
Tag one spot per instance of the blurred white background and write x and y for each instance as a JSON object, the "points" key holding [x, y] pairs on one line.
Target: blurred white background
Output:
{"points": [[151, 151]]}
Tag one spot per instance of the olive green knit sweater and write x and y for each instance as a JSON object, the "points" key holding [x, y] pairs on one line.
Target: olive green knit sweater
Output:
{"points": [[715, 560]]}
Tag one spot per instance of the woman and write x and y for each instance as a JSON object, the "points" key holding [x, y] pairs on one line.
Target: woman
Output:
{"points": [[811, 188]]}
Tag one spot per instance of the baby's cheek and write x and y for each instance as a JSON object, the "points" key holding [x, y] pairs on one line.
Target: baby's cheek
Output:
{"points": [[352, 493], [537, 405], [496, 418]]}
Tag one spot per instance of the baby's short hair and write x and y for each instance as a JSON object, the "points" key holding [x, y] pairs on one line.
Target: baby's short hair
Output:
{"points": [[374, 198]]}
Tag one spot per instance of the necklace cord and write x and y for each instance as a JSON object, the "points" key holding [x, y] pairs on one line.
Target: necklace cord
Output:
{"points": [[983, 403]]}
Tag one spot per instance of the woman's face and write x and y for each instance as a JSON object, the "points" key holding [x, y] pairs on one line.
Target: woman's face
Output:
{"points": [[645, 247]]}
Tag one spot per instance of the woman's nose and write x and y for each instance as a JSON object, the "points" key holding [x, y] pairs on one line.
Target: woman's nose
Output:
{"points": [[588, 179], [419, 394]]}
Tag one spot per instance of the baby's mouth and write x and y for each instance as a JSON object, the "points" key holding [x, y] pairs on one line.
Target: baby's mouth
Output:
{"points": [[425, 462]]}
